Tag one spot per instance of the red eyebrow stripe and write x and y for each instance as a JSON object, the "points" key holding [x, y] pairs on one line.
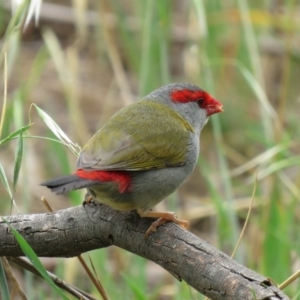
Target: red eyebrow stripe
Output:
{"points": [[184, 96], [211, 105]]}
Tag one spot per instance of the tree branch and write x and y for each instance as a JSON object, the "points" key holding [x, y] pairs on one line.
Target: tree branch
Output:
{"points": [[72, 231]]}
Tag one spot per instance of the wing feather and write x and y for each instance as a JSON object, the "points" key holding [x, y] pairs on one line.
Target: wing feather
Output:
{"points": [[123, 144]]}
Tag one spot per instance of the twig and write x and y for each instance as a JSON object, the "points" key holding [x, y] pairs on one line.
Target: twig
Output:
{"points": [[80, 229]]}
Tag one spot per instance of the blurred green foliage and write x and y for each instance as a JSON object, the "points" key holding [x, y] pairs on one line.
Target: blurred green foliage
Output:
{"points": [[81, 67]]}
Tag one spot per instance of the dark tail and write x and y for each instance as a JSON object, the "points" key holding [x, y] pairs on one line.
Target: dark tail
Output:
{"points": [[68, 183]]}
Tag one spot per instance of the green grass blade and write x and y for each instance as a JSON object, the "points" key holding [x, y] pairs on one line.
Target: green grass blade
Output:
{"points": [[3, 284], [15, 22], [129, 41], [57, 131], [15, 134], [256, 64], [5, 181], [264, 157], [201, 17], [4, 104], [223, 166], [258, 90], [276, 244], [136, 289], [163, 38], [57, 54], [214, 194], [13, 51], [146, 47], [279, 165], [35, 260], [34, 76], [18, 160]]}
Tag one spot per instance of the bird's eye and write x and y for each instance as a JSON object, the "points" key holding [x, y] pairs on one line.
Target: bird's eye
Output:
{"points": [[200, 101]]}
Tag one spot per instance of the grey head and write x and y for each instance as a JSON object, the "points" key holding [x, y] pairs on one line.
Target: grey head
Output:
{"points": [[184, 99]]}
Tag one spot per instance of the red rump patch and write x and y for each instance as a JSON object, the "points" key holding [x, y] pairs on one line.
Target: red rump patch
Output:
{"points": [[120, 177], [184, 96]]}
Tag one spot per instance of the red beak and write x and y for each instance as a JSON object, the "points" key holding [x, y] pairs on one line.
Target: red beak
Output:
{"points": [[213, 107]]}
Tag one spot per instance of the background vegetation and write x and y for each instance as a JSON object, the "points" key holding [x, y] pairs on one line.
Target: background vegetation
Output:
{"points": [[87, 59]]}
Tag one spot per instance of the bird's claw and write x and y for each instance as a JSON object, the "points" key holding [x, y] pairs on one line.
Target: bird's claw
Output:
{"points": [[88, 199], [163, 218]]}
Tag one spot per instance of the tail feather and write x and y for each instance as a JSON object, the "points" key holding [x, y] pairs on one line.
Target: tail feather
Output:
{"points": [[68, 183]]}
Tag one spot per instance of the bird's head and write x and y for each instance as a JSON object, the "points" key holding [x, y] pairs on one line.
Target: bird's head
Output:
{"points": [[185, 98]]}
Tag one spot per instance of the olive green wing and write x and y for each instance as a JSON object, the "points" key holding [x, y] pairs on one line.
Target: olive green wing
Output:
{"points": [[139, 137]]}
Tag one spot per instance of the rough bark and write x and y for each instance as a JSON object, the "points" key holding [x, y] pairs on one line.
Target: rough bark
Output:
{"points": [[72, 231]]}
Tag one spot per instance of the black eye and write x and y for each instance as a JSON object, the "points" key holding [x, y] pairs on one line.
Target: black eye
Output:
{"points": [[200, 101]]}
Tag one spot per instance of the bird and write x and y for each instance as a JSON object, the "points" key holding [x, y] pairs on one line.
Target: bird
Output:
{"points": [[144, 152]]}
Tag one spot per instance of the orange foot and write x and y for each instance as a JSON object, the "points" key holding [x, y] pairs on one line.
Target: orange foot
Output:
{"points": [[163, 217]]}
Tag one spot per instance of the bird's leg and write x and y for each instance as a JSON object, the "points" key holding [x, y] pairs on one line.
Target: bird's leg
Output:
{"points": [[163, 217], [88, 198]]}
